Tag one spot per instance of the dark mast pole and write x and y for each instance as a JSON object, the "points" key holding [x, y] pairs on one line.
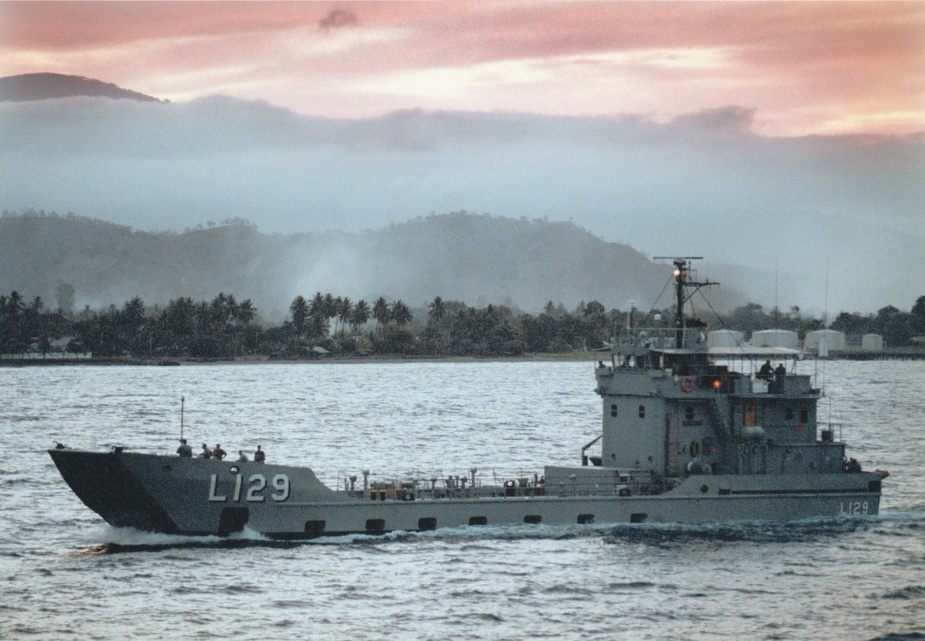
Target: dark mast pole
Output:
{"points": [[680, 273], [680, 282]]}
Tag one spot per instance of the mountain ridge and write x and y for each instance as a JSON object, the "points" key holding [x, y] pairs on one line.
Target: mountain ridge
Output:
{"points": [[30, 87], [475, 258]]}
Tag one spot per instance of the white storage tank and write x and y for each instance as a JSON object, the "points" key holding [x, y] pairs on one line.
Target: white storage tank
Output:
{"points": [[725, 338], [825, 339], [872, 342], [776, 338]]}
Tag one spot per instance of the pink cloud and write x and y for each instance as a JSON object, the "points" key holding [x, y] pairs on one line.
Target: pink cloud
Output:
{"points": [[800, 66]]}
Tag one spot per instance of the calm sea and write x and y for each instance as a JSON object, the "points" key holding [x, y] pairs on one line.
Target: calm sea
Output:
{"points": [[66, 574]]}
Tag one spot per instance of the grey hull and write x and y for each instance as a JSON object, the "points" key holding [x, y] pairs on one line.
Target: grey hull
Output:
{"points": [[208, 497]]}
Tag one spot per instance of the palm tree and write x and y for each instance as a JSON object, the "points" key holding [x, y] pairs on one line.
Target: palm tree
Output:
{"points": [[344, 312], [247, 311], [401, 314], [437, 311], [381, 312], [360, 314], [321, 304], [299, 311]]}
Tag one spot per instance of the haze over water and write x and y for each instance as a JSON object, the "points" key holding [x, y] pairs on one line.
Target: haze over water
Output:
{"points": [[66, 574]]}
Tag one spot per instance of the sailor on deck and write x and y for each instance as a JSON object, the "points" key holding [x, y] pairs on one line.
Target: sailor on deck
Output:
{"points": [[766, 372], [184, 450], [259, 455], [206, 452]]}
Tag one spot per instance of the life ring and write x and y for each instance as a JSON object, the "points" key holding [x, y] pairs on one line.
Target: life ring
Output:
{"points": [[687, 384]]}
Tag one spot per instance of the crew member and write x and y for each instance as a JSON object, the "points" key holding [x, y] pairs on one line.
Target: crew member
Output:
{"points": [[218, 452], [206, 452], [766, 372], [259, 455], [242, 457], [184, 450]]}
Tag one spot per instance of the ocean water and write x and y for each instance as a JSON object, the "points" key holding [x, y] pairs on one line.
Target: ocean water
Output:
{"points": [[66, 574]]}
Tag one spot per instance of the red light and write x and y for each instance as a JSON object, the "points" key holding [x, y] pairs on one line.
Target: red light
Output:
{"points": [[717, 384], [677, 273]]}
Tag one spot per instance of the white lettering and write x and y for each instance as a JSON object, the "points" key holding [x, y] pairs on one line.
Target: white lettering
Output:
{"points": [[238, 482], [281, 485], [213, 486], [854, 507], [258, 483]]}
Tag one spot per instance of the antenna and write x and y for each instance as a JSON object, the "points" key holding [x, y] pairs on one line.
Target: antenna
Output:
{"points": [[182, 402]]}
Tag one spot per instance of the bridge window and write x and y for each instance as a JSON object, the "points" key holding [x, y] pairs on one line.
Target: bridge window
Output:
{"points": [[804, 416], [688, 413], [789, 413], [642, 411], [613, 410]]}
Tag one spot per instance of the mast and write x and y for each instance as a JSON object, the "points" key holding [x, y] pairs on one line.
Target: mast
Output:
{"points": [[682, 282]]}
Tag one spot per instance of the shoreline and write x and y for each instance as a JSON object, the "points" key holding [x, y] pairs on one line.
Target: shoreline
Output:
{"points": [[886, 355], [248, 360]]}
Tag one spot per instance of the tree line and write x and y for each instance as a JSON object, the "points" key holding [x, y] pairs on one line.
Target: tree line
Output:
{"points": [[227, 328]]}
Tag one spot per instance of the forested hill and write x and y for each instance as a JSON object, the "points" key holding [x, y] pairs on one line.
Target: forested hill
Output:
{"points": [[478, 259]]}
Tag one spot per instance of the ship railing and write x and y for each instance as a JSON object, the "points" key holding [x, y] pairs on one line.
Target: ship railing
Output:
{"points": [[416, 485], [658, 337], [641, 483]]}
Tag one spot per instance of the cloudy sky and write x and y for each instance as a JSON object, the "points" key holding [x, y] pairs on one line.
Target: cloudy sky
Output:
{"points": [[785, 135], [821, 67]]}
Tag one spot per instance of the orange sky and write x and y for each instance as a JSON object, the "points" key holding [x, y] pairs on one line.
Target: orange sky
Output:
{"points": [[826, 67]]}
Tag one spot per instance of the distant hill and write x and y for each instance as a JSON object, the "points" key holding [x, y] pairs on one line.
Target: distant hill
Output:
{"points": [[478, 259], [47, 86]]}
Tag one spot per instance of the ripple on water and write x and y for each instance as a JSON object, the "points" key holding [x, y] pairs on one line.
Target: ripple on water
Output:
{"points": [[85, 580]]}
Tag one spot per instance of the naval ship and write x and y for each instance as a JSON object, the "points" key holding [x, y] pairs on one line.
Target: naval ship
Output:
{"points": [[687, 437]]}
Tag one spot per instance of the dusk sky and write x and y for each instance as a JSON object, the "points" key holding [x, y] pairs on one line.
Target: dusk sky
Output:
{"points": [[804, 67], [785, 136]]}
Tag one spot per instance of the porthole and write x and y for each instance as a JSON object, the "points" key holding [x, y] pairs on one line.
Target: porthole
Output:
{"points": [[533, 518], [478, 520]]}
